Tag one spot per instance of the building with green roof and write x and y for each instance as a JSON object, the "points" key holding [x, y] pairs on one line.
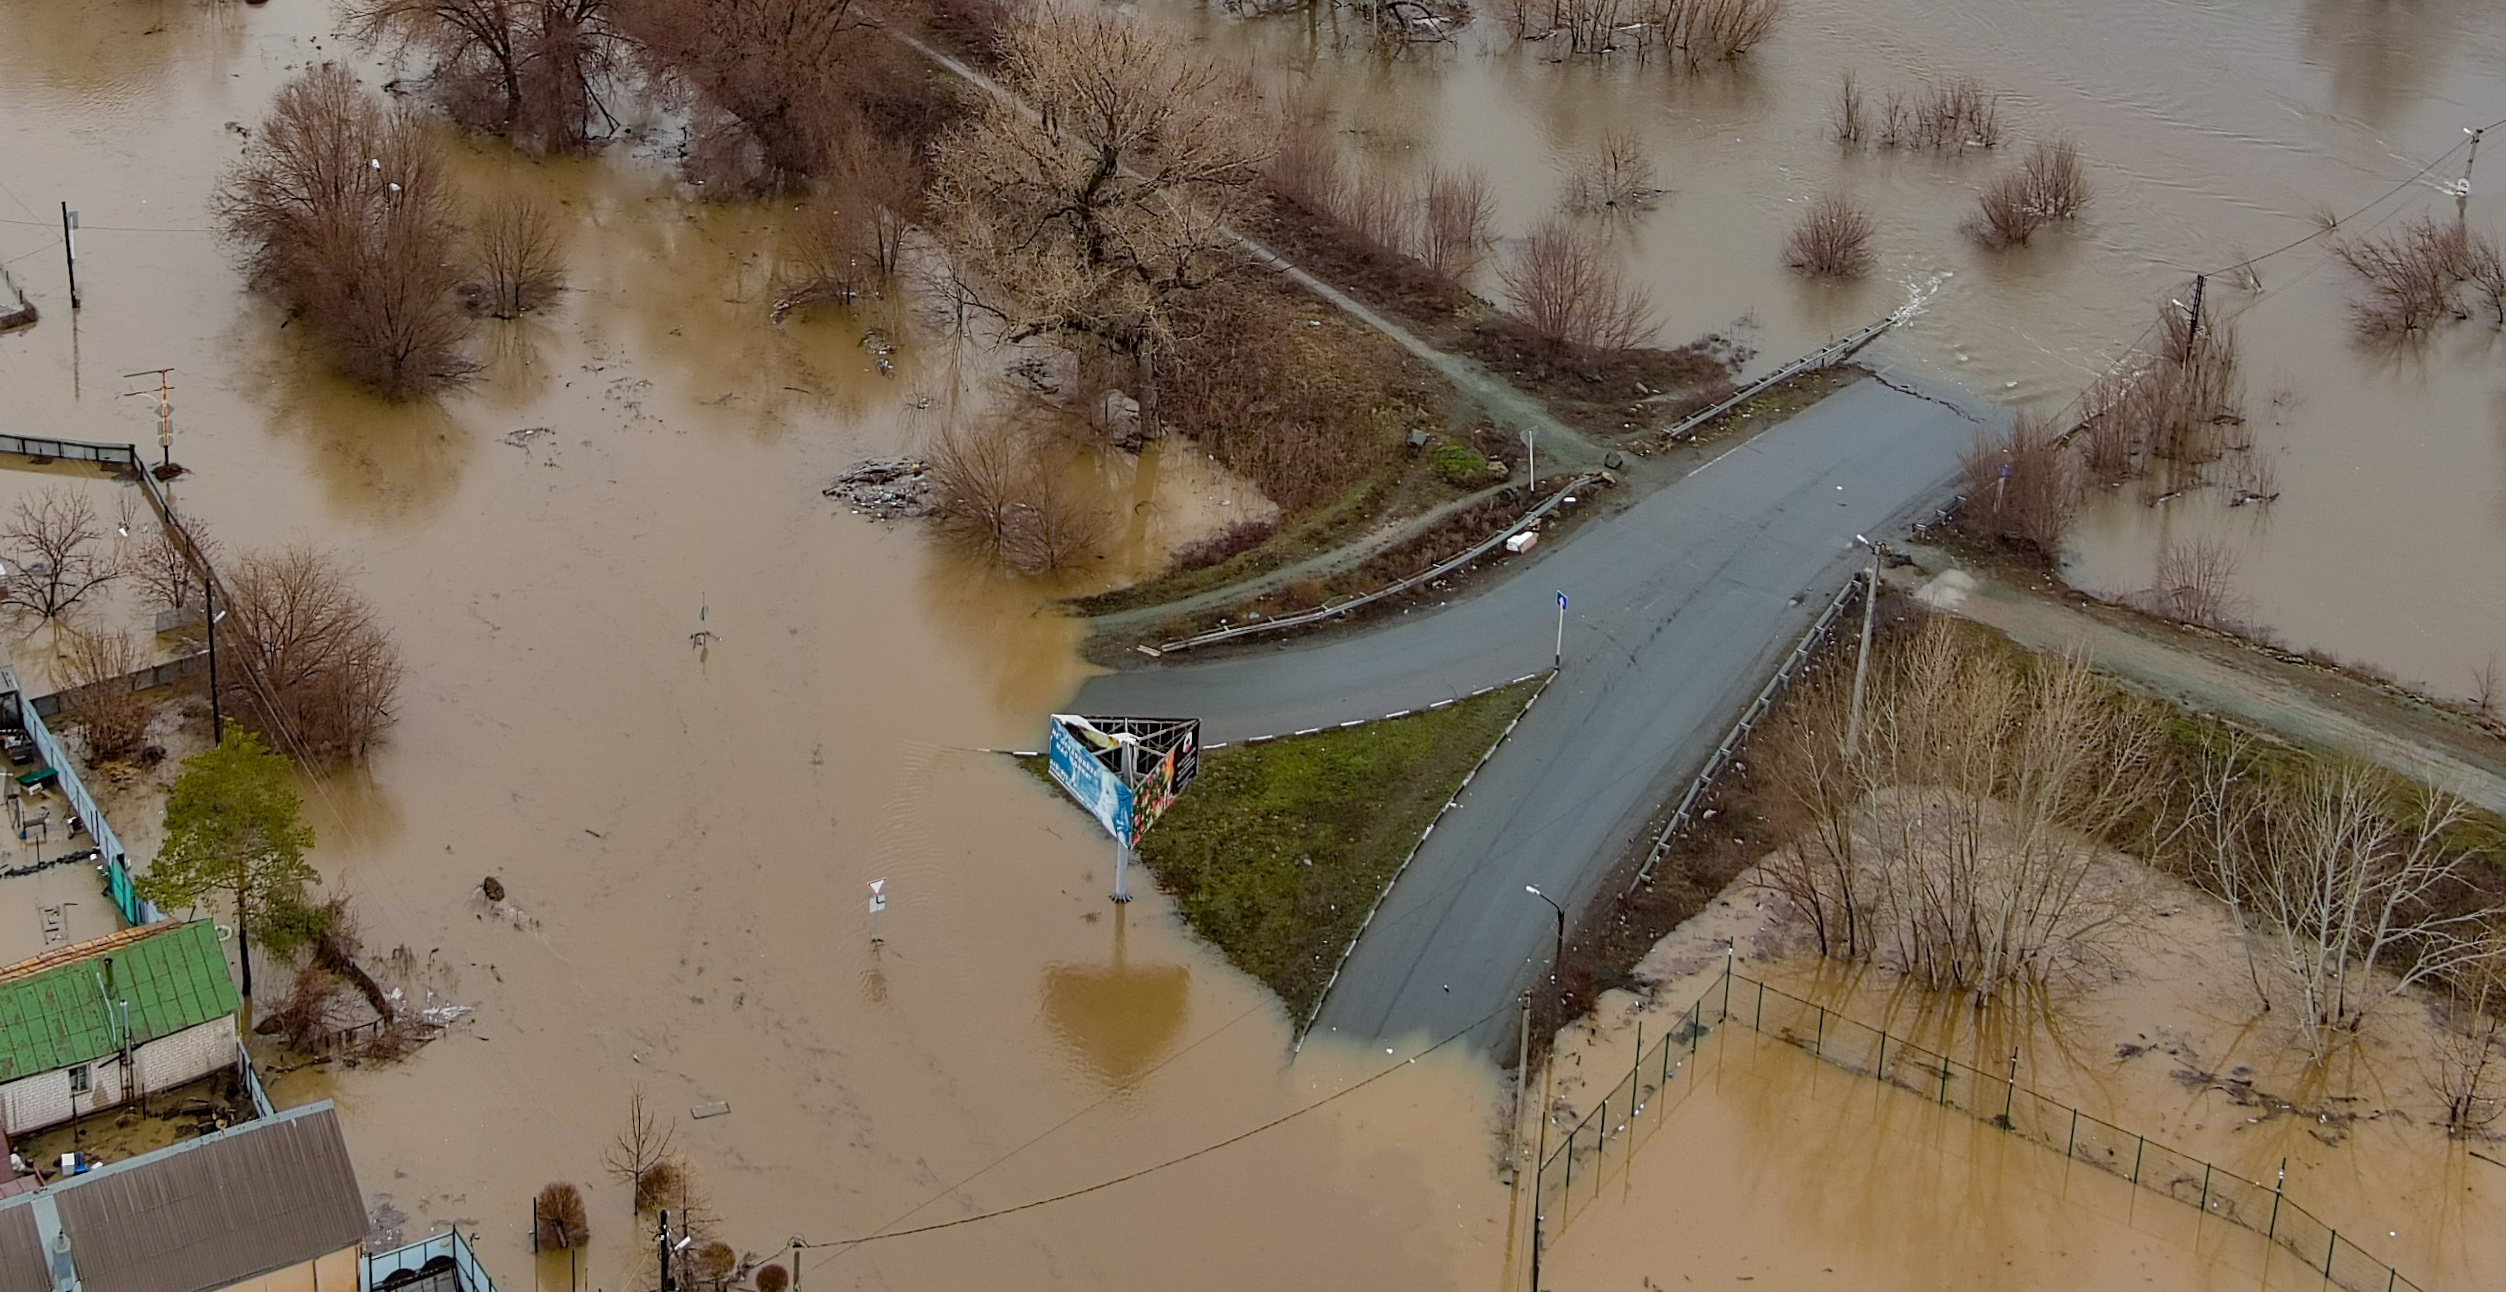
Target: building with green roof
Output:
{"points": [[90, 1025]]}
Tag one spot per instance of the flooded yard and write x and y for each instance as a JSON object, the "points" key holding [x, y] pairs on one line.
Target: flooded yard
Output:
{"points": [[684, 708]]}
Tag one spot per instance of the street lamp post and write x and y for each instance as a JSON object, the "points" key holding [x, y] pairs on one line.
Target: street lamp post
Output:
{"points": [[1557, 957], [1862, 657]]}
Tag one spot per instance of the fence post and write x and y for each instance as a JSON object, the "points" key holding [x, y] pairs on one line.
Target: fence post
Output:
{"points": [[2073, 1146], [1879, 1066], [1727, 984], [2137, 1155], [1818, 1043], [2328, 1249], [1758, 1024], [2205, 1188], [2010, 1095]]}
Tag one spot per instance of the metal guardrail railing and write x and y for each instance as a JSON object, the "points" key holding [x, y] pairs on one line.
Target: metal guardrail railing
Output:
{"points": [[1430, 575], [1834, 352], [1685, 814]]}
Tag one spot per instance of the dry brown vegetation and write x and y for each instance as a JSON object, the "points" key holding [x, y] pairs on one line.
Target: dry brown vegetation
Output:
{"points": [[113, 717], [2428, 272], [773, 86], [163, 568], [2193, 583], [1957, 835], [2048, 188], [57, 553], [1084, 221], [533, 70], [2022, 488], [2173, 408], [1295, 409], [1613, 175], [344, 214], [1951, 115], [310, 662], [1569, 291], [558, 1220], [850, 241], [1833, 239], [521, 265], [1688, 33], [1006, 494]]}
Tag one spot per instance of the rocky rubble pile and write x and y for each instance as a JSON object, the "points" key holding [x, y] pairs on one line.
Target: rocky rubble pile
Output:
{"points": [[886, 488]]}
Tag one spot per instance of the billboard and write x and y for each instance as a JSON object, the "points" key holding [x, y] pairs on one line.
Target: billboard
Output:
{"points": [[1086, 756]]}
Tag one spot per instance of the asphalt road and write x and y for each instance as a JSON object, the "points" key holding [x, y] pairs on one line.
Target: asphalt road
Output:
{"points": [[1679, 609]]}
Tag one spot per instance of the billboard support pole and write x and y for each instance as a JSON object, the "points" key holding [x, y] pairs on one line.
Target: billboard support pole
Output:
{"points": [[1130, 773]]}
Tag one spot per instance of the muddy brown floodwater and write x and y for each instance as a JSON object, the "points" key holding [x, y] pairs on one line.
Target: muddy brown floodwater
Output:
{"points": [[684, 825], [684, 829], [2212, 132]]}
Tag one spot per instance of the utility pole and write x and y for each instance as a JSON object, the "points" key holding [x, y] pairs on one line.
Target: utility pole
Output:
{"points": [[209, 615], [1531, 455], [1862, 657], [1557, 660], [2200, 281], [165, 410], [663, 1241], [69, 248], [2462, 194]]}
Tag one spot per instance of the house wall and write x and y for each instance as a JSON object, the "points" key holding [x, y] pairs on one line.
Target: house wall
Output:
{"points": [[336, 1272], [43, 1099]]}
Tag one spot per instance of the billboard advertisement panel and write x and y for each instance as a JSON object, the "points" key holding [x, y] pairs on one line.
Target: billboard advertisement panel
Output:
{"points": [[1078, 771]]}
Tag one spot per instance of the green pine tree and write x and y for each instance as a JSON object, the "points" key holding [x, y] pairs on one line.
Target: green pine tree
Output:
{"points": [[234, 827]]}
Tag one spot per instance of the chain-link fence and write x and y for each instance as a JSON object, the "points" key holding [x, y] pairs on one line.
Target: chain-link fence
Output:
{"points": [[1578, 1161]]}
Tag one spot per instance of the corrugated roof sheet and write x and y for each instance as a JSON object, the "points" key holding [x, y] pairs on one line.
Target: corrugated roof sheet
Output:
{"points": [[52, 1008], [22, 1253], [226, 1207]]}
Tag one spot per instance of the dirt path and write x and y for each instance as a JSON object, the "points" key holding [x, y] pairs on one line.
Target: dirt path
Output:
{"points": [[1382, 538], [2302, 703]]}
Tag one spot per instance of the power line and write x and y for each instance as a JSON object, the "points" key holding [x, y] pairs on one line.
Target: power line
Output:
{"points": [[111, 228], [847, 1244]]}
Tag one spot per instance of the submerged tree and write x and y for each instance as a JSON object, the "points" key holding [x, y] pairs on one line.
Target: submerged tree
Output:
{"points": [[533, 70], [345, 215], [312, 663], [57, 553], [1085, 219], [234, 828]]}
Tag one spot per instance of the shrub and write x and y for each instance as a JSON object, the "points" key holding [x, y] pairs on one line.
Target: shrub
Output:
{"points": [[102, 704], [1616, 175], [1006, 496], [1833, 239], [519, 262], [2424, 274], [1568, 292], [2047, 188], [2021, 487], [1240, 537], [559, 1219]]}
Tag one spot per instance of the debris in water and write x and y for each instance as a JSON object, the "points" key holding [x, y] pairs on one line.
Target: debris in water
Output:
{"points": [[885, 488], [715, 1109], [521, 439]]}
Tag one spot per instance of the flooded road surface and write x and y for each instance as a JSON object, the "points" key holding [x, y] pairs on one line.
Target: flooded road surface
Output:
{"points": [[684, 826], [2212, 133]]}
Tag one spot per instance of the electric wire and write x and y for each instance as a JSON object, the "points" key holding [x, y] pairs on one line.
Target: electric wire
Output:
{"points": [[842, 1246]]}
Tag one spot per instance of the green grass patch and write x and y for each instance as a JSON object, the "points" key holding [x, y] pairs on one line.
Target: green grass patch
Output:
{"points": [[1278, 849]]}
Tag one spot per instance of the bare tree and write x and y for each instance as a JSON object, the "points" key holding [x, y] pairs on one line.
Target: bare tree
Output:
{"points": [[1086, 219], [521, 265], [1566, 288], [775, 85], [57, 553], [1847, 116], [344, 214], [1457, 220], [312, 665], [2424, 274], [640, 1156], [102, 703], [2361, 881], [2466, 1070], [1306, 167], [1616, 174], [1959, 838], [1379, 213], [531, 69], [157, 559], [2168, 406], [2194, 584], [1005, 496], [2022, 487], [1833, 239]]}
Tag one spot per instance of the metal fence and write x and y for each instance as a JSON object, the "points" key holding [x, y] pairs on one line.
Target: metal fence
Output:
{"points": [[135, 909], [1834, 352], [402, 1266], [1684, 815], [1992, 1097]]}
